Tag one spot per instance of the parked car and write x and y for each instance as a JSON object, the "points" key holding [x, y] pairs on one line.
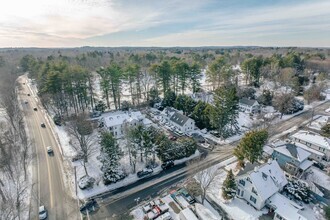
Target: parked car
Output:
{"points": [[42, 212], [28, 94], [167, 165], [26, 102], [43, 125], [50, 150], [90, 206], [144, 172], [86, 182], [199, 138], [187, 196], [35, 109]]}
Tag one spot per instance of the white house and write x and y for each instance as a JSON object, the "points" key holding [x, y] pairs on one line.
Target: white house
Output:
{"points": [[116, 122], [203, 96], [182, 122], [178, 120], [258, 184], [249, 105], [313, 141]]}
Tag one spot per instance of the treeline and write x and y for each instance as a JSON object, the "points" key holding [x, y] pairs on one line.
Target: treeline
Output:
{"points": [[221, 115]]}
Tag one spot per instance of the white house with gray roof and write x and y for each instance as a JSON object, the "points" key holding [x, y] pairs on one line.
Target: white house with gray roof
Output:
{"points": [[313, 141], [257, 185], [248, 105], [182, 122]]}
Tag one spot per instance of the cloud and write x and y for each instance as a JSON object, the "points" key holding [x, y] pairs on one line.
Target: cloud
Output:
{"points": [[162, 23]]}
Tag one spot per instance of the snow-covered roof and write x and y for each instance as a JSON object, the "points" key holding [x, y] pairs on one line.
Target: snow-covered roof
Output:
{"points": [[313, 138], [268, 179], [306, 164], [188, 214], [303, 146], [314, 175], [268, 150], [179, 118], [204, 213], [118, 117], [293, 151], [286, 207]]}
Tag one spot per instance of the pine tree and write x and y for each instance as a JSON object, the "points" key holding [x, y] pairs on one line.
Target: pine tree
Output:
{"points": [[225, 112], [109, 157], [229, 186], [251, 145]]}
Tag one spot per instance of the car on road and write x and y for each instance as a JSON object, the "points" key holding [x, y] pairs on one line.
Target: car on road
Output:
{"points": [[167, 164], [35, 109], [172, 138], [90, 206], [28, 94], [43, 125], [42, 212], [144, 172], [26, 102], [50, 150]]}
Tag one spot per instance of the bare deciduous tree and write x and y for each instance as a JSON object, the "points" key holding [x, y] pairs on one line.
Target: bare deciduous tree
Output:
{"points": [[81, 131], [204, 177]]}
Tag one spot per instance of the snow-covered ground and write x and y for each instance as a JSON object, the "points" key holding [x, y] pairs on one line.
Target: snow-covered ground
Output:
{"points": [[318, 122]]}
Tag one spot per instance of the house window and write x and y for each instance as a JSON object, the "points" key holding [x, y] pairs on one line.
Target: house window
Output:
{"points": [[254, 191], [254, 200], [264, 176], [110, 128], [242, 182]]}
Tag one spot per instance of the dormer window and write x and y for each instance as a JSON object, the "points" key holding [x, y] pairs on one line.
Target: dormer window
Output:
{"points": [[242, 182], [264, 176], [254, 191]]}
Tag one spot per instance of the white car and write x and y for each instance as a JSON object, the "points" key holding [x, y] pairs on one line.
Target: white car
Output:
{"points": [[50, 150], [42, 212]]}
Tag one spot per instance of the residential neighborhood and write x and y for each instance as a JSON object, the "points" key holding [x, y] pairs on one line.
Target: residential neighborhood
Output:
{"points": [[164, 110]]}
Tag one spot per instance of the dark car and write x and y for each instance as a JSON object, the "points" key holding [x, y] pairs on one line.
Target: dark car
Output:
{"points": [[199, 138], [35, 109], [144, 172], [28, 94], [172, 138], [43, 125], [89, 206], [167, 165], [187, 196]]}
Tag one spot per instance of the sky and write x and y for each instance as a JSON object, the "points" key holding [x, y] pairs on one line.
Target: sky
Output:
{"points": [[75, 23]]}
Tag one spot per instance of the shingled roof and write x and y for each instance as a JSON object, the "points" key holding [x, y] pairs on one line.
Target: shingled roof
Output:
{"points": [[179, 119]]}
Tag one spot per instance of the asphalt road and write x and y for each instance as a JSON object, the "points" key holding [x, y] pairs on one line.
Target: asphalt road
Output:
{"points": [[48, 185]]}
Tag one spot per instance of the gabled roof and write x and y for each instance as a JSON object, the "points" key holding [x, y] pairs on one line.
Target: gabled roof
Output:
{"points": [[249, 102], [293, 151], [267, 179], [285, 207], [179, 119], [313, 138], [248, 167]]}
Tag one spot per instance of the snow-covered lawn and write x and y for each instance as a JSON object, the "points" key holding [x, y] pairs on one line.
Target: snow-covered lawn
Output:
{"points": [[318, 122]]}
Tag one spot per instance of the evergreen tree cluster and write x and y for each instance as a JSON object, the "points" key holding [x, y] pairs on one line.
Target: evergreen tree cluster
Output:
{"points": [[251, 145], [298, 190]]}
